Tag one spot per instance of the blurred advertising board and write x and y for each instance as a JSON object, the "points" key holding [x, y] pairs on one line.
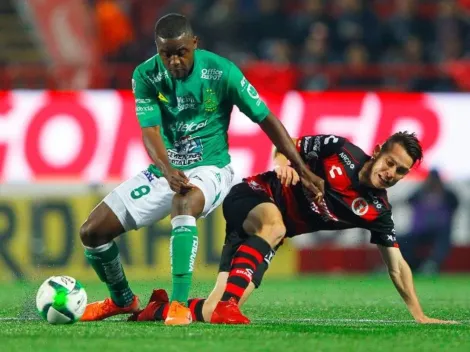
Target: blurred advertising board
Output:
{"points": [[93, 136]]}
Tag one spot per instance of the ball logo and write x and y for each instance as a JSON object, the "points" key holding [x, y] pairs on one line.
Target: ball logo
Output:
{"points": [[359, 206]]}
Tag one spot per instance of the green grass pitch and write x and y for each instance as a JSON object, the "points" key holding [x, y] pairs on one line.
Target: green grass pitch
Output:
{"points": [[318, 313]]}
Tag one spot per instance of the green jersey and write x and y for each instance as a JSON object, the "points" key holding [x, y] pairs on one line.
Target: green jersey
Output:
{"points": [[194, 113]]}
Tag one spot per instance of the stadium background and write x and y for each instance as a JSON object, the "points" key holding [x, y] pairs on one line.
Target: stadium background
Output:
{"points": [[68, 132]]}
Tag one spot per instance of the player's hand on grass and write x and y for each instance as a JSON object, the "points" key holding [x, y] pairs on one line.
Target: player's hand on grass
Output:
{"points": [[313, 183], [287, 175], [178, 181], [427, 320]]}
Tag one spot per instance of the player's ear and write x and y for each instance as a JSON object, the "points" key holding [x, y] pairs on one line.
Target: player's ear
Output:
{"points": [[195, 41], [376, 151]]}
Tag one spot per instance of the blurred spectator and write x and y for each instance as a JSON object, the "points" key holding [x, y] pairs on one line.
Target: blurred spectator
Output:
{"points": [[406, 23], [221, 28], [115, 32], [356, 76], [277, 52], [433, 206], [319, 38], [310, 14], [316, 53], [268, 23], [451, 32], [357, 23]]}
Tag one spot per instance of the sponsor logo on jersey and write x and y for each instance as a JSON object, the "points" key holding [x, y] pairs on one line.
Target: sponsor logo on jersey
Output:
{"points": [[317, 143], [161, 97], [190, 127], [186, 102], [211, 74], [346, 160], [306, 144], [375, 201], [255, 186], [391, 238], [186, 151], [158, 77], [359, 206], [252, 92], [143, 101], [143, 109], [150, 177]]}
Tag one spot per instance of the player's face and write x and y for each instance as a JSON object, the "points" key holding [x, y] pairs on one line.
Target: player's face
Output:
{"points": [[390, 166], [177, 54]]}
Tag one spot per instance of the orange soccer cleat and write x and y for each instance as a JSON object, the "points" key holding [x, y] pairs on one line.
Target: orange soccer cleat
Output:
{"points": [[178, 314], [104, 309], [228, 312]]}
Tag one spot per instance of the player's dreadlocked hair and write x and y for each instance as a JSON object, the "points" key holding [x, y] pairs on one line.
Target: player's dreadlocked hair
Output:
{"points": [[407, 140], [172, 26]]}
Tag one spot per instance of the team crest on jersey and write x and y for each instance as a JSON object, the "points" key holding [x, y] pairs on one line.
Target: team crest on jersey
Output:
{"points": [[210, 100], [359, 206]]}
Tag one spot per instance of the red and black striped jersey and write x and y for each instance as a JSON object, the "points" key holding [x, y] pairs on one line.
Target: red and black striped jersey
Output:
{"points": [[346, 204]]}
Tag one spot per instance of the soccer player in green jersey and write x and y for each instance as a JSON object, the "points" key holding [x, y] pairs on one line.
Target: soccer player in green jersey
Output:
{"points": [[184, 97]]}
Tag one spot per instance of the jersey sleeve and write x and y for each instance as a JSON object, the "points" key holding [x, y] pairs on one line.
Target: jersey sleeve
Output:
{"points": [[319, 146], [242, 94], [146, 104], [382, 230]]}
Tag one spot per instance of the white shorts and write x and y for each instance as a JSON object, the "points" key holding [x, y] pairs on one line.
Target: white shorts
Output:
{"points": [[145, 198]]}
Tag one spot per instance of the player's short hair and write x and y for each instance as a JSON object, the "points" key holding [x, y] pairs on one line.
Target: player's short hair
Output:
{"points": [[172, 26], [407, 140]]}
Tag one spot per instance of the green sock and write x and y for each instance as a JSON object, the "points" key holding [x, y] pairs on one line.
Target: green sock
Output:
{"points": [[106, 261], [183, 249]]}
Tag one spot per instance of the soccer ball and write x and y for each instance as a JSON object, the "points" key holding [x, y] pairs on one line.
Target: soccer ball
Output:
{"points": [[61, 300]]}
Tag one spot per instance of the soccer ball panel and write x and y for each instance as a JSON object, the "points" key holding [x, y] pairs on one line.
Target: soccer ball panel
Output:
{"points": [[61, 300], [63, 281], [56, 317], [76, 302], [44, 295]]}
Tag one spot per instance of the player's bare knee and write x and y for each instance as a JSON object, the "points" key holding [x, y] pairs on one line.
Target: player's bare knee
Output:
{"points": [[265, 220], [273, 232], [101, 227], [88, 234], [191, 203]]}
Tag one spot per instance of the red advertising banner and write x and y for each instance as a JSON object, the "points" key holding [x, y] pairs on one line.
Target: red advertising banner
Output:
{"points": [[93, 136]]}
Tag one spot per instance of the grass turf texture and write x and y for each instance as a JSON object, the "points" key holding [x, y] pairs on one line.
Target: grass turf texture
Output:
{"points": [[339, 313]]}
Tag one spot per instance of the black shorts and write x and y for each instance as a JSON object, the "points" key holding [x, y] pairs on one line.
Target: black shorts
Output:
{"points": [[238, 203]]}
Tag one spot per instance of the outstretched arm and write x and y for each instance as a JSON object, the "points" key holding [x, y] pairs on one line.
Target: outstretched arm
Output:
{"points": [[285, 173], [246, 97], [276, 131], [402, 278]]}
